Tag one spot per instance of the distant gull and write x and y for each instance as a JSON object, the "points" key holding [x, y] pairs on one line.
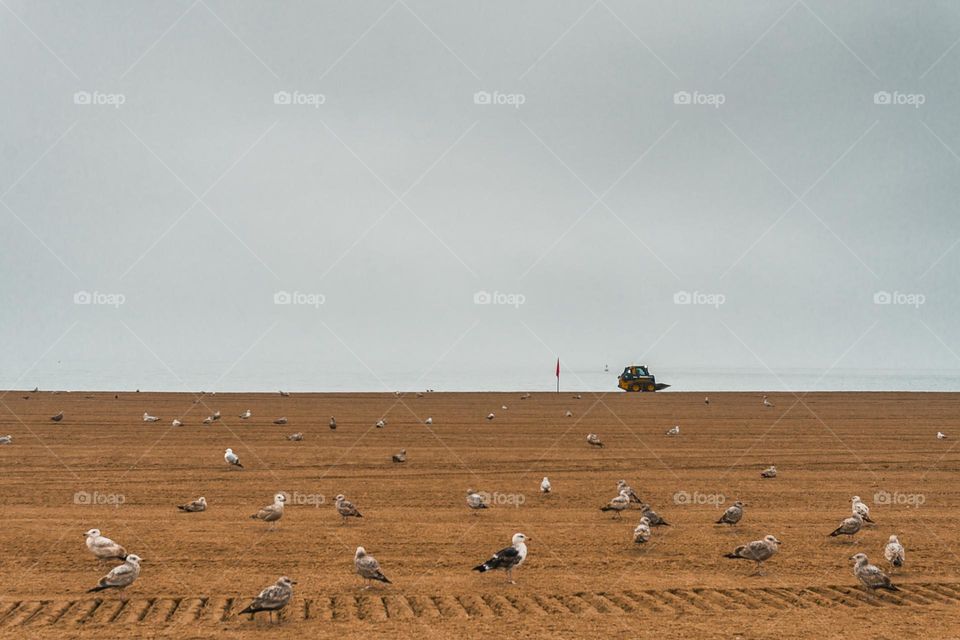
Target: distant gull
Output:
{"points": [[618, 504], [769, 472], [149, 418], [198, 505], [419, 394], [295, 437], [428, 420], [102, 547], [849, 527], [400, 457], [503, 407], [545, 485], [367, 567], [759, 551], [859, 507], [732, 515], [216, 415], [273, 598], [578, 397], [941, 435], [490, 416], [653, 516], [525, 396], [870, 576], [508, 558], [7, 439], [231, 458], [346, 509], [58, 417], [120, 577], [176, 423], [706, 400], [594, 440], [333, 423], [622, 486], [568, 414], [208, 420], [284, 394], [641, 532], [476, 501], [280, 421], [246, 414], [767, 402], [674, 431], [272, 512], [894, 552], [380, 424]]}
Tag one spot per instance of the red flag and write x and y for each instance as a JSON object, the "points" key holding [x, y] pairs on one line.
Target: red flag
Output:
{"points": [[558, 367]]}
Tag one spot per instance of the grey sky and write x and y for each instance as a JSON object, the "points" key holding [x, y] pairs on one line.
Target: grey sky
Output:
{"points": [[396, 200]]}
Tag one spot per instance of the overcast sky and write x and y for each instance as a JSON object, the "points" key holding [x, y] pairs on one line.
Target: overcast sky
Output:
{"points": [[170, 171]]}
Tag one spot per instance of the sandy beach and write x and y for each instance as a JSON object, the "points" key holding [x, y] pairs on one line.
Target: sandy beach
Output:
{"points": [[103, 467]]}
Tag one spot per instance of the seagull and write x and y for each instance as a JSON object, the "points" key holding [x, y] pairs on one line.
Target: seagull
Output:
{"points": [[578, 397], [419, 394], [622, 486], [346, 509], [102, 547], [490, 416], [870, 576], [766, 402], [58, 417], [273, 598], [400, 457], [674, 431], [525, 396], [618, 504], [7, 439], [594, 440], [568, 414], [859, 507], [508, 559], [769, 472], [758, 551], [272, 512], [894, 552], [732, 515], [280, 421], [120, 577], [231, 458], [428, 420], [380, 424], [208, 420], [246, 414], [295, 437], [653, 516], [545, 485], [149, 418], [198, 505], [333, 423], [367, 567], [848, 527], [216, 414], [476, 501], [503, 407], [284, 394], [941, 435], [706, 400], [641, 533], [176, 423]]}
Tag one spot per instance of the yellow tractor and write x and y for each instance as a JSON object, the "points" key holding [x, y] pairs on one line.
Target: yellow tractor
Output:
{"points": [[637, 377]]}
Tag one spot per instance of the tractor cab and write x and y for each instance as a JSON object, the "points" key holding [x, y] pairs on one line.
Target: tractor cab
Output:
{"points": [[637, 377]]}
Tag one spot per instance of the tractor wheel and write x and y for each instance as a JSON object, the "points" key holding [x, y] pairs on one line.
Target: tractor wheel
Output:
{"points": [[636, 387], [651, 386]]}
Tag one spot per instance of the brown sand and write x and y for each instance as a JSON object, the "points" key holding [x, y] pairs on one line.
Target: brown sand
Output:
{"points": [[584, 576]]}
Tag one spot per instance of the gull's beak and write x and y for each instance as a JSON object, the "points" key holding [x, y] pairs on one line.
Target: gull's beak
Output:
{"points": [[528, 539], [293, 582]]}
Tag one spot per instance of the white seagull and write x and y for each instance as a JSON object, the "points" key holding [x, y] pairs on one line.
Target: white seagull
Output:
{"points": [[120, 577], [149, 418], [767, 402], [428, 421], [545, 485], [675, 431], [870, 576], [273, 598], [231, 458], [490, 416], [941, 435], [769, 472], [618, 504], [7, 439], [367, 567], [894, 552], [102, 547], [176, 423], [246, 414], [272, 512], [476, 501], [858, 506], [641, 532], [759, 551], [508, 558], [594, 440]]}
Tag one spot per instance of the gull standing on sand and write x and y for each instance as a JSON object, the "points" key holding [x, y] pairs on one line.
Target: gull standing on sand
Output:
{"points": [[246, 414], [428, 420], [641, 533], [860, 507], [653, 516], [849, 527], [508, 558], [7, 439], [732, 515], [594, 440], [769, 472], [176, 423], [280, 421], [941, 435], [476, 501], [675, 431], [759, 551], [894, 552], [231, 459], [272, 512], [208, 420], [149, 418], [198, 505], [622, 486], [545, 486], [870, 576], [401, 457], [490, 416], [58, 417], [120, 577], [216, 415], [767, 402], [380, 424], [346, 509], [284, 394], [273, 598], [333, 423], [102, 547], [368, 568], [706, 400], [568, 414], [618, 504], [295, 437]]}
